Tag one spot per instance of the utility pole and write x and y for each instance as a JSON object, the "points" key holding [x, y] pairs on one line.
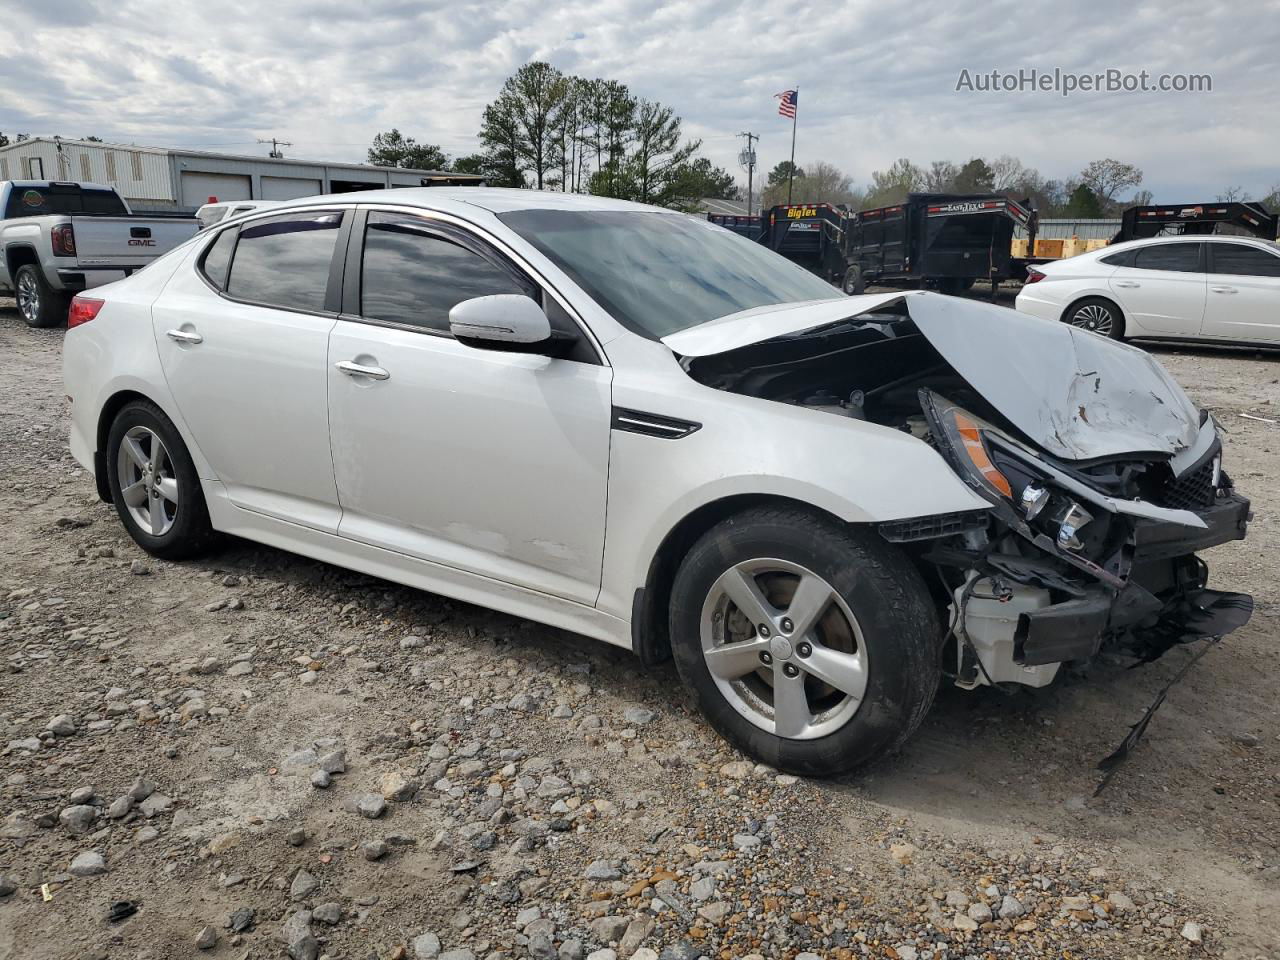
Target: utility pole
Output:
{"points": [[748, 159], [275, 153]]}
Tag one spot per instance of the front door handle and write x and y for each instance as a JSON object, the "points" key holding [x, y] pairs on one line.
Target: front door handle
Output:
{"points": [[1223, 289], [184, 336], [352, 369], [1128, 284]]}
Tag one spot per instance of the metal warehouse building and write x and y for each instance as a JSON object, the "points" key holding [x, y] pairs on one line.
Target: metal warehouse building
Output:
{"points": [[163, 180]]}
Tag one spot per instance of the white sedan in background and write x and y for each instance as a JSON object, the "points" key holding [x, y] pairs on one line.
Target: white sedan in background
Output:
{"points": [[1211, 288]]}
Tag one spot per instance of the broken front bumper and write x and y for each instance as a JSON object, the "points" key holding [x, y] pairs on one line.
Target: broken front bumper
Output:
{"points": [[1164, 602]]}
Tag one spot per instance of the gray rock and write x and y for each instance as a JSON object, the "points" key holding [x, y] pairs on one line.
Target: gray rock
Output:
{"points": [[139, 568], [1120, 901], [330, 913], [88, 864], [296, 837], [636, 932], [602, 870], [1192, 932], [30, 744], [241, 920], [703, 889], [746, 841], [1011, 906], [120, 807], [304, 884], [207, 938], [81, 795], [297, 926], [241, 668], [957, 899], [457, 955], [335, 762], [541, 947], [527, 916], [371, 805], [426, 946], [306, 947], [638, 716], [679, 951], [321, 780], [571, 949], [979, 912], [1246, 740], [63, 725], [605, 954], [155, 803], [78, 819], [608, 929], [374, 849], [141, 789], [7, 885]]}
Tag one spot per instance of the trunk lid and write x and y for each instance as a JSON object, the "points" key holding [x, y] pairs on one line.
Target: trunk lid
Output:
{"points": [[1076, 394]]}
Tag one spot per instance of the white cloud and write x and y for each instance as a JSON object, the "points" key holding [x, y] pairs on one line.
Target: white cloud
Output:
{"points": [[877, 81]]}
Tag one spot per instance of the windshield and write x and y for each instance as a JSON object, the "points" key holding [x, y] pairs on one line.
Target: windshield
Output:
{"points": [[63, 198], [659, 273]]}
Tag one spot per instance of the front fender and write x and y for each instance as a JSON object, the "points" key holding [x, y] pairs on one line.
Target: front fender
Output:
{"points": [[857, 471]]}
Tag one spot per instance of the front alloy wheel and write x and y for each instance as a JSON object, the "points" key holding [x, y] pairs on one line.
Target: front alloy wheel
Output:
{"points": [[28, 298], [784, 649]]}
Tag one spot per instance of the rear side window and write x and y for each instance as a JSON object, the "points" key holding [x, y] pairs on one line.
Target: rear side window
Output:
{"points": [[63, 198], [1122, 259], [1243, 261], [414, 275], [1176, 257], [285, 262], [217, 259]]}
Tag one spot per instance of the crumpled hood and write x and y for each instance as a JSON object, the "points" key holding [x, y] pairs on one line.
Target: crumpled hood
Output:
{"points": [[1074, 393]]}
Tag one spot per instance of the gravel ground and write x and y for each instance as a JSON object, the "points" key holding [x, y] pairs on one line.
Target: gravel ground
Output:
{"points": [[267, 756]]}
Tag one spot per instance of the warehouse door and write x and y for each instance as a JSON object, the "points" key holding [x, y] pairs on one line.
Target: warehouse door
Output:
{"points": [[198, 188], [289, 188]]}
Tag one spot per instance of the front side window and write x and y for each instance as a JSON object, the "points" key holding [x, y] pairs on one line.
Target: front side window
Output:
{"points": [[1244, 261], [414, 275], [1175, 257], [285, 262], [659, 273]]}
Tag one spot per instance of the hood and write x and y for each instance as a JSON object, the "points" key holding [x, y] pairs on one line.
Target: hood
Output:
{"points": [[1077, 395]]}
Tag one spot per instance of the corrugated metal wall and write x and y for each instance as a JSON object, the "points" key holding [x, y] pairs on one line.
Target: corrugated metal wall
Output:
{"points": [[139, 175], [1084, 229]]}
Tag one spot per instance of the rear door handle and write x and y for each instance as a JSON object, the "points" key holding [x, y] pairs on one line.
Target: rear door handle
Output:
{"points": [[184, 336], [1223, 289], [352, 369], [1128, 283]]}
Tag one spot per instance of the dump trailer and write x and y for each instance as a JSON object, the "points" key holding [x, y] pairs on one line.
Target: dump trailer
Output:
{"points": [[940, 240], [1236, 217], [749, 227], [810, 234]]}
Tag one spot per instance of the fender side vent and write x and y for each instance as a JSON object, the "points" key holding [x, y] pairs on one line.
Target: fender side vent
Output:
{"points": [[930, 528], [651, 424]]}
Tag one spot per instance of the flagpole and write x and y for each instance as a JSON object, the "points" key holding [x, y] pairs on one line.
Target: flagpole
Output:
{"points": [[792, 172]]}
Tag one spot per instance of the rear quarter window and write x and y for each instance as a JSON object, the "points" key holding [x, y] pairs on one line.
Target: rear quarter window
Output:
{"points": [[216, 261]]}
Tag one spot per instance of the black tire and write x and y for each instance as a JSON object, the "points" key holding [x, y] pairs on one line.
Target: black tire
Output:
{"points": [[854, 283], [38, 303], [190, 534], [1086, 311], [884, 592], [952, 286]]}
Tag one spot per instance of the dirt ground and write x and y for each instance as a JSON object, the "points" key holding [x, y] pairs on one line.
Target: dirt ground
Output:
{"points": [[545, 796]]}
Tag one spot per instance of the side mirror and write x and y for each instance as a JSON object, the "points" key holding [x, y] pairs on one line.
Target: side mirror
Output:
{"points": [[505, 321]]}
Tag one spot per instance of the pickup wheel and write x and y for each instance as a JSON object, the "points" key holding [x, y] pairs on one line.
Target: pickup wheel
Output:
{"points": [[809, 645], [39, 304]]}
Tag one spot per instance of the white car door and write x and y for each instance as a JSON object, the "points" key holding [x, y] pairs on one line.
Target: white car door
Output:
{"points": [[1244, 292], [243, 339], [1162, 292], [491, 462]]}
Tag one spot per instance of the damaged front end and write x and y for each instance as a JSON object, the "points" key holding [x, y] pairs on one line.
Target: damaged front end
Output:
{"points": [[1103, 480]]}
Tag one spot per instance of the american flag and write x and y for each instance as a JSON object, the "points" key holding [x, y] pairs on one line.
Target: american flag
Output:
{"points": [[788, 100]]}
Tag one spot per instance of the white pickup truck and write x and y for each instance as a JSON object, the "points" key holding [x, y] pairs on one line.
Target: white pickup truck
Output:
{"points": [[57, 239]]}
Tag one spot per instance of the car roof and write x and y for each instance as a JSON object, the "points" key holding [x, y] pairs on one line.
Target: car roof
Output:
{"points": [[492, 199], [1183, 238]]}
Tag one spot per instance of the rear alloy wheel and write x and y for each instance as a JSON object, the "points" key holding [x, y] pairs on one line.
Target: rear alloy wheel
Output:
{"points": [[154, 485], [1098, 315], [38, 303], [809, 645]]}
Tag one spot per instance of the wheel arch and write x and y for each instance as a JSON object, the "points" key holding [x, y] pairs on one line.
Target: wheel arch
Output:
{"points": [[18, 255], [107, 414], [650, 631]]}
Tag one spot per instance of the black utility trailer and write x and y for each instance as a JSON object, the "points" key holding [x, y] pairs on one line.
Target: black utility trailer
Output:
{"points": [[940, 240], [1197, 219], [749, 227], [810, 234]]}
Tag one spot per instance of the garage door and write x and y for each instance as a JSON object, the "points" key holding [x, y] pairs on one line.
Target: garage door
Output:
{"points": [[289, 188], [198, 188]]}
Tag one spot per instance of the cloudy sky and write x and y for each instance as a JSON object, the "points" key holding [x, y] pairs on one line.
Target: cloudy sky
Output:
{"points": [[877, 80]]}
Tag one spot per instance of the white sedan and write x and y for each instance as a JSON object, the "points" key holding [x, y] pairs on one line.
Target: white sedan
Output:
{"points": [[639, 426], [1209, 288]]}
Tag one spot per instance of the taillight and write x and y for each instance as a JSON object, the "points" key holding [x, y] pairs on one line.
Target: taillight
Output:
{"points": [[1033, 275], [83, 309], [64, 240]]}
